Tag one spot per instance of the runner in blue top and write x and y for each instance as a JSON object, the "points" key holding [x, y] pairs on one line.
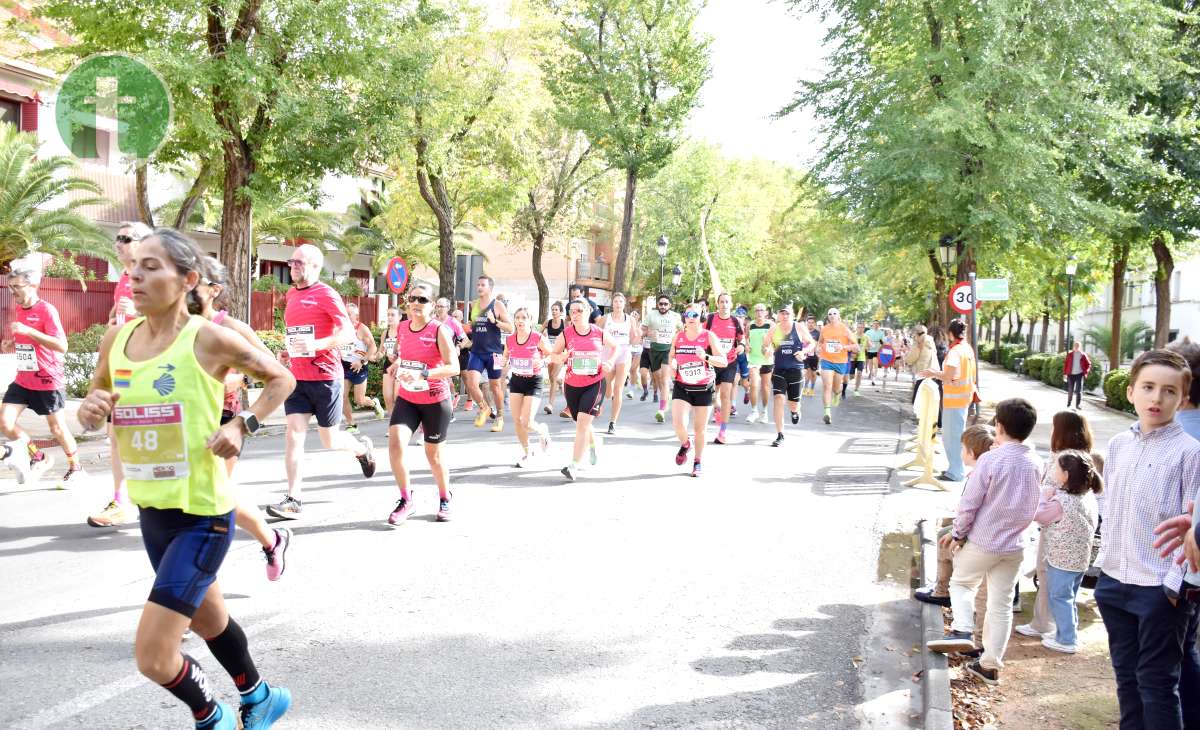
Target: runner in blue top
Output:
{"points": [[489, 323], [789, 344]]}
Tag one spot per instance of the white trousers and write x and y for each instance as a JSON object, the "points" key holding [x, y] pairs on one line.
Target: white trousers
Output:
{"points": [[972, 566]]}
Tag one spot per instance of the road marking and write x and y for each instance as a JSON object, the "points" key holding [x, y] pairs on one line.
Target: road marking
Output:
{"points": [[112, 690]]}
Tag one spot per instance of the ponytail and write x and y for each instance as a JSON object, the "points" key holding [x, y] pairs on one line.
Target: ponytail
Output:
{"points": [[1082, 474]]}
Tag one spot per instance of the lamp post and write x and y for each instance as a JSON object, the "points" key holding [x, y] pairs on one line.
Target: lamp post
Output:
{"points": [[1072, 267], [676, 277], [946, 252], [662, 258]]}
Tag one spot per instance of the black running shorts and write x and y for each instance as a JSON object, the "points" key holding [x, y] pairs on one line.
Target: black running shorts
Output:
{"points": [[434, 418], [587, 399], [41, 402], [700, 398], [727, 374], [530, 385], [788, 382]]}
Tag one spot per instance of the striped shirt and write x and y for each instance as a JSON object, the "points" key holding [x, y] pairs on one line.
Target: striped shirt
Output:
{"points": [[1147, 479], [1190, 420], [1000, 499]]}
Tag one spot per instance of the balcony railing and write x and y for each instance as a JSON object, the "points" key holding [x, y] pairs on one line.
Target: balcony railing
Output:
{"points": [[594, 270]]}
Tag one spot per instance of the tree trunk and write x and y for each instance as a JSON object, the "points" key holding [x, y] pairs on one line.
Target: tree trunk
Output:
{"points": [[940, 293], [1020, 324], [433, 192], [713, 276], [194, 193], [966, 260], [539, 246], [631, 177], [235, 224], [143, 196], [996, 340], [1120, 261], [1045, 331], [1162, 290]]}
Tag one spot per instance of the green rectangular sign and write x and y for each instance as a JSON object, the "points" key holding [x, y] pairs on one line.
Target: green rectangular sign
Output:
{"points": [[991, 290]]}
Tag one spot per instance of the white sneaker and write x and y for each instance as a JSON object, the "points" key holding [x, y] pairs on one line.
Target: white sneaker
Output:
{"points": [[19, 461], [1053, 645], [752, 417], [1028, 630]]}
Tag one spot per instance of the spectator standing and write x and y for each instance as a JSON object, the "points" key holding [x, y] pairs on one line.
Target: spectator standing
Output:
{"points": [[957, 376], [1075, 370]]}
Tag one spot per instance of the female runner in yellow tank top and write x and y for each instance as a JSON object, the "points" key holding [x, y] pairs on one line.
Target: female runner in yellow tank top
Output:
{"points": [[160, 378]]}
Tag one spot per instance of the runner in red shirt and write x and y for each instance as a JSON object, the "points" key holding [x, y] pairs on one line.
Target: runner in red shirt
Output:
{"points": [[316, 325], [728, 331], [37, 336], [695, 353]]}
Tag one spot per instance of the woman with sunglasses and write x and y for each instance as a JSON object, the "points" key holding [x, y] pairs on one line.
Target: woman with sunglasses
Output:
{"points": [[789, 344], [426, 360], [553, 329], [695, 351], [387, 353], [581, 349], [525, 353]]}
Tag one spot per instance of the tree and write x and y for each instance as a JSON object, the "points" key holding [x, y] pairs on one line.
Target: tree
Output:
{"points": [[631, 75], [29, 185], [285, 89]]}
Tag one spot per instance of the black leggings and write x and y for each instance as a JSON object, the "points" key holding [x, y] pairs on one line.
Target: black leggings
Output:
{"points": [[584, 399]]}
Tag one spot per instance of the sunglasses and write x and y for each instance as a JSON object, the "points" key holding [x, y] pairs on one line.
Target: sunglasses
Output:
{"points": [[122, 238], [691, 314], [418, 299], [295, 262]]}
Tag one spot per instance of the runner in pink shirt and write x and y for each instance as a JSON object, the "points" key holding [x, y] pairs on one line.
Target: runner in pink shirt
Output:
{"points": [[695, 356], [525, 352], [316, 324], [581, 348], [37, 337]]}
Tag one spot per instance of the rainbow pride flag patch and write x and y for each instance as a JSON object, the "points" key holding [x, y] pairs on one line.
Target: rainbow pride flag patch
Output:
{"points": [[121, 378]]}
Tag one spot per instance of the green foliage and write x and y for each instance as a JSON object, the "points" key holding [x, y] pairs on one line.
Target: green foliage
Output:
{"points": [[29, 184], [986, 350], [1052, 370], [1013, 338], [1010, 352], [1136, 336], [1116, 383], [346, 287], [269, 283], [273, 339], [1092, 381], [1034, 364], [65, 267], [80, 361]]}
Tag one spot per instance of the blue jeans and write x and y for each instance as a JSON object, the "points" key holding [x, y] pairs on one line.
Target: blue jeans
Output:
{"points": [[954, 422], [1061, 588], [1145, 643]]}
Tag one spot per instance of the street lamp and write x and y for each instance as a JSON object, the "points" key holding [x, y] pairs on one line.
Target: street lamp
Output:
{"points": [[1072, 267], [662, 257], [946, 254], [676, 276]]}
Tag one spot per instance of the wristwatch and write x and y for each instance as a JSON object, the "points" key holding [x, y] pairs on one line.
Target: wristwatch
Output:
{"points": [[250, 421]]}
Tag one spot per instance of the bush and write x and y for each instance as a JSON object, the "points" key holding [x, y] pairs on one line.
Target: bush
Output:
{"points": [[1092, 381], [273, 339], [1052, 371], [80, 361], [986, 349], [65, 267], [1009, 353], [1115, 385], [1034, 363], [268, 283]]}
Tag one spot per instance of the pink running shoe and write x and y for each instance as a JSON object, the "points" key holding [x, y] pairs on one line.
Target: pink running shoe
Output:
{"points": [[402, 512], [277, 556], [681, 455]]}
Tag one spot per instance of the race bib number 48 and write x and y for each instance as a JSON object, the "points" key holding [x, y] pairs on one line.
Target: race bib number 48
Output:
{"points": [[300, 339], [26, 358], [151, 440]]}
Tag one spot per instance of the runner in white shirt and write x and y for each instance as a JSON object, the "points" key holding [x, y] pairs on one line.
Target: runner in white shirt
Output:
{"points": [[620, 327]]}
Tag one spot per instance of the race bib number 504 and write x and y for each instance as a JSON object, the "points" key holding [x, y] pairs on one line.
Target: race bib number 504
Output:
{"points": [[151, 440]]}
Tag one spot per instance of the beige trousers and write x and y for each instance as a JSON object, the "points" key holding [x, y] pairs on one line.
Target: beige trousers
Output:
{"points": [[974, 567]]}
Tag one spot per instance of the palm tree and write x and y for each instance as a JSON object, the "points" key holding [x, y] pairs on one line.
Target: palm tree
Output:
{"points": [[28, 186], [1135, 336]]}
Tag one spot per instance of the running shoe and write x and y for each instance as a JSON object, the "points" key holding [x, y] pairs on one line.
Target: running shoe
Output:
{"points": [[470, 406], [521, 462], [1051, 643], [110, 516], [645, 394], [732, 411], [443, 513], [482, 418], [660, 416], [695, 468], [19, 465], [288, 509], [612, 428], [628, 395], [543, 432], [753, 417], [828, 419], [277, 556], [367, 459], [498, 425], [352, 429], [568, 471], [720, 439], [262, 715], [547, 410], [795, 417], [402, 511], [778, 440], [681, 455], [74, 475], [379, 412], [225, 719], [564, 413], [746, 398]]}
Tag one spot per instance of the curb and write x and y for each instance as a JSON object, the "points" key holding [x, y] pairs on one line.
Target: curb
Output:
{"points": [[936, 709]]}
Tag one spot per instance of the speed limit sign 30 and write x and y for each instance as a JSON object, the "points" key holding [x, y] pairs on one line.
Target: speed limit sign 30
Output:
{"points": [[961, 299]]}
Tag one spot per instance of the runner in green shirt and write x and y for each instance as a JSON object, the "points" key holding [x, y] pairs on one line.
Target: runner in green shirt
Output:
{"points": [[660, 326]]}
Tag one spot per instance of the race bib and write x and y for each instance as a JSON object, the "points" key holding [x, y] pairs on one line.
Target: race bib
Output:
{"points": [[151, 441], [420, 385], [26, 358], [347, 351], [693, 373], [551, 339], [498, 360], [726, 343], [522, 366], [389, 345], [663, 336], [833, 347], [585, 363], [299, 340]]}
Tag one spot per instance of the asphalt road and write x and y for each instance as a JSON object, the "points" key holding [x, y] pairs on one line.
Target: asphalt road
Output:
{"points": [[770, 593]]}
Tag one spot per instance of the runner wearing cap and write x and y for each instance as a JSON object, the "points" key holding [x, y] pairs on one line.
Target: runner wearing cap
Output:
{"points": [[834, 348], [696, 357]]}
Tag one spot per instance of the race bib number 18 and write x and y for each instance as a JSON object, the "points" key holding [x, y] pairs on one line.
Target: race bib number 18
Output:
{"points": [[26, 358], [151, 440]]}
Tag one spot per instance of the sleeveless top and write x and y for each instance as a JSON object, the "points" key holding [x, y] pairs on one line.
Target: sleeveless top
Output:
{"points": [[233, 402], [485, 335], [726, 331], [618, 332], [525, 359], [416, 351], [389, 343], [786, 349], [583, 365], [754, 344], [957, 393], [691, 369], [356, 349], [168, 408]]}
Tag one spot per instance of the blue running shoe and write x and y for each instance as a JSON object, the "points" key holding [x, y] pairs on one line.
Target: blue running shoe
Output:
{"points": [[226, 719], [263, 715]]}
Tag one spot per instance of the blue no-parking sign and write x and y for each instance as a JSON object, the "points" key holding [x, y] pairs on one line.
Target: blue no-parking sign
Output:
{"points": [[397, 275], [886, 355]]}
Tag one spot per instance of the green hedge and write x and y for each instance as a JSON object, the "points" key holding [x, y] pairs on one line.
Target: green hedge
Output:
{"points": [[1092, 381], [80, 360], [1034, 363], [986, 350], [1116, 383], [1010, 353], [1052, 370]]}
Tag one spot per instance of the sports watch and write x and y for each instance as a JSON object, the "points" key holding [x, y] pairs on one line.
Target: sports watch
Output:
{"points": [[250, 420]]}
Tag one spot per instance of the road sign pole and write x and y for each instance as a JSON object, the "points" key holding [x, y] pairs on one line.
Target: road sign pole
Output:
{"points": [[974, 344]]}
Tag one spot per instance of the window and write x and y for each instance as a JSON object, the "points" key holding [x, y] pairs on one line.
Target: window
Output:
{"points": [[10, 112], [466, 271], [281, 272]]}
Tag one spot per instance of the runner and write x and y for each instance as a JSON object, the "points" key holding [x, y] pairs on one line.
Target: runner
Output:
{"points": [[356, 369], [788, 344], [489, 322], [661, 326], [860, 358], [580, 349], [834, 347], [128, 235], [317, 325], [525, 352], [444, 312], [760, 365], [694, 353], [37, 336], [203, 301], [167, 368], [812, 362], [552, 329], [875, 337], [387, 353], [729, 334], [620, 327], [637, 345], [426, 361], [743, 362], [644, 365]]}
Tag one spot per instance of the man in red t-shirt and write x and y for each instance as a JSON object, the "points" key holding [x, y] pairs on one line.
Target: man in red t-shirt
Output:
{"points": [[37, 337], [316, 324]]}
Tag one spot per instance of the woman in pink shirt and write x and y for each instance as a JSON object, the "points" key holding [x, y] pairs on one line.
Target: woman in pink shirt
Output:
{"points": [[525, 355], [581, 348], [694, 354]]}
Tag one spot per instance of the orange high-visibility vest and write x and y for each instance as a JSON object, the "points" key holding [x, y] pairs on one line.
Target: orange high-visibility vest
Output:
{"points": [[957, 393]]}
